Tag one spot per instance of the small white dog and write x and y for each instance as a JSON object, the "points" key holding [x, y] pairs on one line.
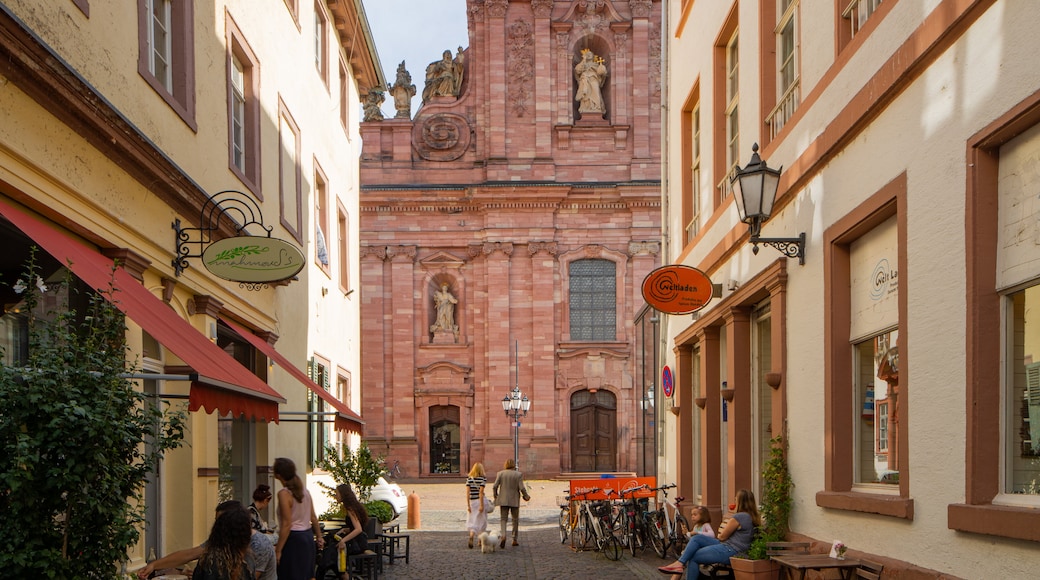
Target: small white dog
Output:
{"points": [[488, 542]]}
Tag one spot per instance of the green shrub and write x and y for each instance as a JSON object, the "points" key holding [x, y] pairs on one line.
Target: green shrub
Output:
{"points": [[380, 510], [78, 441]]}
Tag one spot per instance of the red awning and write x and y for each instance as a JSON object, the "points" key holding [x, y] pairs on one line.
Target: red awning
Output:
{"points": [[345, 419], [219, 382]]}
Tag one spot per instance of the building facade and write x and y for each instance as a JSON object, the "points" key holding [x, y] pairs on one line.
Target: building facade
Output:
{"points": [[140, 133], [506, 229], [898, 362]]}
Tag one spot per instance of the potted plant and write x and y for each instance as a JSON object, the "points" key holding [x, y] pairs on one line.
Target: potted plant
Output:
{"points": [[775, 508]]}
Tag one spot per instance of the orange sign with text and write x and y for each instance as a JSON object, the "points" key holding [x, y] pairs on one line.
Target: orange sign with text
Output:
{"points": [[677, 289], [615, 485]]}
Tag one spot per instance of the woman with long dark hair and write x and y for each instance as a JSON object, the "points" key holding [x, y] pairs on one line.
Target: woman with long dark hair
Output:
{"points": [[734, 538], [225, 550], [298, 527]]}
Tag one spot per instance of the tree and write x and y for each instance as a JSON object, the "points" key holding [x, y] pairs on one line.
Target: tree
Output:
{"points": [[77, 440], [358, 468]]}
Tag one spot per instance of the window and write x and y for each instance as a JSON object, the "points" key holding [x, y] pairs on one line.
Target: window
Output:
{"points": [[166, 58], [321, 41], [1022, 474], [882, 423], [691, 202], [243, 110], [321, 219], [593, 305], [236, 436], [788, 94], [876, 367], [343, 246], [725, 107], [998, 160], [319, 430], [865, 312], [290, 176], [344, 94], [732, 108], [858, 12], [346, 393]]}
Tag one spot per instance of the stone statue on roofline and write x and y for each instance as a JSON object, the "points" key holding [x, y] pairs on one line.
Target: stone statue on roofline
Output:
{"points": [[444, 77], [402, 90], [373, 101]]}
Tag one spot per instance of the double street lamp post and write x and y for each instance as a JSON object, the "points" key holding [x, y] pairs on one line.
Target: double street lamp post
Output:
{"points": [[516, 405]]}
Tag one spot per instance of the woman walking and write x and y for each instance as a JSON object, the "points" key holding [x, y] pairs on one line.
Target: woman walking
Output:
{"points": [[476, 520], [734, 538], [298, 527]]}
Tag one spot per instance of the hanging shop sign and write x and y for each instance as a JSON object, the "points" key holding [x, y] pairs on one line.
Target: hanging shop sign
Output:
{"points": [[677, 289], [253, 259]]}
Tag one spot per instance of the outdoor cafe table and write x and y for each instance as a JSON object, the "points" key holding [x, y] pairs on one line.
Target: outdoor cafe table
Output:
{"points": [[795, 565]]}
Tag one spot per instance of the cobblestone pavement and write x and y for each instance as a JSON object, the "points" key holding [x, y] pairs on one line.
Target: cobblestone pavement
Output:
{"points": [[438, 547]]}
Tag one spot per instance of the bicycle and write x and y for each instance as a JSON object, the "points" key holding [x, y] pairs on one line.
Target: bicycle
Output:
{"points": [[395, 471], [635, 519], [593, 527], [570, 512], [668, 533]]}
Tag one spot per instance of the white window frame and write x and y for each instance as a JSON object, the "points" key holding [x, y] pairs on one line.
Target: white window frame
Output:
{"points": [[162, 22]]}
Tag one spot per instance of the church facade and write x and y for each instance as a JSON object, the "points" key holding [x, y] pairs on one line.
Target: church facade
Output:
{"points": [[506, 228]]}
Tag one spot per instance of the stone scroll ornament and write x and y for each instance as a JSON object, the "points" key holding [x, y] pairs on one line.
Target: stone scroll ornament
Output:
{"points": [[441, 137]]}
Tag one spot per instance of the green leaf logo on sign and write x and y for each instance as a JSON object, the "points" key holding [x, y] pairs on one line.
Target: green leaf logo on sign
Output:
{"points": [[253, 259]]}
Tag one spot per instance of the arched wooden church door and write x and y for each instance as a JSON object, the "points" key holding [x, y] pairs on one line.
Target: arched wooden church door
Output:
{"points": [[593, 431]]}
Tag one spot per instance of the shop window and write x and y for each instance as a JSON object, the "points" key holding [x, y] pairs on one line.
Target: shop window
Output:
{"points": [[876, 370], [592, 300], [166, 58], [865, 260], [1002, 276], [1022, 455]]}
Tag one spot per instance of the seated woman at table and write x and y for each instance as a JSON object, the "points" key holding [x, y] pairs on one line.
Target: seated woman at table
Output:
{"points": [[734, 538]]}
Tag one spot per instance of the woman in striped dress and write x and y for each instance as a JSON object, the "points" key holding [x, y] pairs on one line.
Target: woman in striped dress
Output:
{"points": [[476, 521]]}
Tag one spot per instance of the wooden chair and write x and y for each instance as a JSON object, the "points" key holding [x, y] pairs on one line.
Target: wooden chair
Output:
{"points": [[369, 564], [869, 570]]}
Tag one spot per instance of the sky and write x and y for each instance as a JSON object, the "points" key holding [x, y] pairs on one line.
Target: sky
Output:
{"points": [[417, 32]]}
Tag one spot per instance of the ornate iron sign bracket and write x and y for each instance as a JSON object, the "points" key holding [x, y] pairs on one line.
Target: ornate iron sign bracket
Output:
{"points": [[234, 206]]}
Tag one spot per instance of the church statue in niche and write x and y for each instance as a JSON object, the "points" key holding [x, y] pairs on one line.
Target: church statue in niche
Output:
{"points": [[590, 73], [444, 328]]}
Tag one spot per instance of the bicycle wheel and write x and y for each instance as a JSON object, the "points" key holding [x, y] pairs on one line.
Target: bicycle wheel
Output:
{"points": [[682, 528], [655, 535], [612, 548], [633, 535], [581, 534], [565, 525]]}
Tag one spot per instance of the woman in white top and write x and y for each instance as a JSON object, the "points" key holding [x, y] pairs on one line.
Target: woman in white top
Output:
{"points": [[476, 520], [300, 536]]}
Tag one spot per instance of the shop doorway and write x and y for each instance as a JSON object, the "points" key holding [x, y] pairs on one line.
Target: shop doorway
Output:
{"points": [[594, 431]]}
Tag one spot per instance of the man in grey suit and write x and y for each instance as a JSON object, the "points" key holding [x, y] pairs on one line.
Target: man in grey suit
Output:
{"points": [[509, 487]]}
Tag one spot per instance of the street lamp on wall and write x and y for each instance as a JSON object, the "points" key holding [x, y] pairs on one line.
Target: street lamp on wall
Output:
{"points": [[516, 405], [755, 190]]}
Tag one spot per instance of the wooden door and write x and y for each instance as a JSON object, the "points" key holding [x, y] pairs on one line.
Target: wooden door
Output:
{"points": [[593, 432]]}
